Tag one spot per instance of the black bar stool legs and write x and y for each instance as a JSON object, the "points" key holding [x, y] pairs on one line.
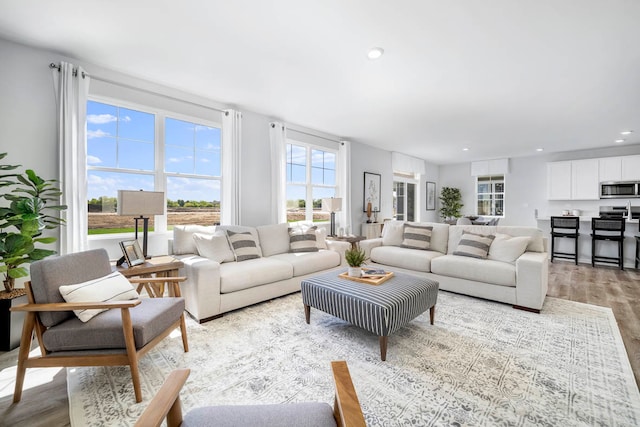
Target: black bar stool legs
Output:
{"points": [[564, 227], [608, 230]]}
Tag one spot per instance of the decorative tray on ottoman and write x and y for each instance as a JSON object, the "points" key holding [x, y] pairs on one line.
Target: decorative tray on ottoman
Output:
{"points": [[369, 277]]}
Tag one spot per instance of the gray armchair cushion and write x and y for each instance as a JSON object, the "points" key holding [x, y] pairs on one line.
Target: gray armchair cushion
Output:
{"points": [[150, 318], [288, 414], [49, 274]]}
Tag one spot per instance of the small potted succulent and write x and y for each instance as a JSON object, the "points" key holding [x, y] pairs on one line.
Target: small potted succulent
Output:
{"points": [[355, 257]]}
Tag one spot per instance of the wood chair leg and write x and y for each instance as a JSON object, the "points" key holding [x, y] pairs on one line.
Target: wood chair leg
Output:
{"points": [[432, 314], [23, 354], [183, 330], [131, 353], [383, 347]]}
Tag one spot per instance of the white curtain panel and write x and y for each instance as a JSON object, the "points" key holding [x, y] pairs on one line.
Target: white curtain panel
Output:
{"points": [[278, 138], [231, 139], [344, 185], [72, 86]]}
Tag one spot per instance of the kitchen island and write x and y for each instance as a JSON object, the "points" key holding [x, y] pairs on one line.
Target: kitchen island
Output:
{"points": [[584, 241]]}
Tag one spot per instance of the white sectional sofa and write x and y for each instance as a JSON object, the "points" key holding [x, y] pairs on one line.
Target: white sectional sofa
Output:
{"points": [[515, 270], [217, 283]]}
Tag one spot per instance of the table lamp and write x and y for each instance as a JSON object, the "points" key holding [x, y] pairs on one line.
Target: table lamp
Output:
{"points": [[141, 204], [332, 205]]}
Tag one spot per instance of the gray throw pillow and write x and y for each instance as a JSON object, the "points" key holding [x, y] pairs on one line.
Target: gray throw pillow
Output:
{"points": [[474, 245], [244, 245], [416, 237]]}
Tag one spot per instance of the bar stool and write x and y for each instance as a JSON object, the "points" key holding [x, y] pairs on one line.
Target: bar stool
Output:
{"points": [[637, 236], [562, 226], [611, 229]]}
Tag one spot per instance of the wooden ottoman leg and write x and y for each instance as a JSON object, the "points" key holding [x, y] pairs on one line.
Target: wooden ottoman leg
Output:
{"points": [[383, 348], [307, 313], [432, 313]]}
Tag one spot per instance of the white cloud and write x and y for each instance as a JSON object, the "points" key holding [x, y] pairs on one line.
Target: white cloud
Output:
{"points": [[125, 119], [93, 160], [96, 134], [100, 119]]}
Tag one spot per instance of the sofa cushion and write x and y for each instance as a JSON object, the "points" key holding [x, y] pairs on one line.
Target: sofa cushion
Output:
{"points": [[274, 238], [310, 262], [244, 245], [235, 276], [480, 270], [411, 259], [416, 236], [301, 240], [149, 318], [183, 242], [214, 246], [506, 248], [474, 245], [112, 287]]}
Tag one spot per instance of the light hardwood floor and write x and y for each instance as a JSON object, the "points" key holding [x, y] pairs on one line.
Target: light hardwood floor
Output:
{"points": [[45, 404]]}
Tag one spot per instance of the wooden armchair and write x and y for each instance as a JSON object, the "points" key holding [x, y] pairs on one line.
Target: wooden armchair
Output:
{"points": [[346, 410], [121, 335]]}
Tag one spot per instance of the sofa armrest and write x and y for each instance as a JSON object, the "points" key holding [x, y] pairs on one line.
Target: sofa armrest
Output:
{"points": [[340, 247], [201, 289], [369, 244], [532, 279]]}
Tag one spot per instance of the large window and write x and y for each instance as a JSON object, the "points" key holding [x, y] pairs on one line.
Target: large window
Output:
{"points": [[131, 149], [311, 176], [490, 195]]}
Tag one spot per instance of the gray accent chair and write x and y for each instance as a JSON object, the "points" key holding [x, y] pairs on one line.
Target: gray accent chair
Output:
{"points": [[119, 336], [346, 411]]}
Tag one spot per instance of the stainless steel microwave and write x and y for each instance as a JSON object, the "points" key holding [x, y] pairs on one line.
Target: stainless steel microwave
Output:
{"points": [[619, 190]]}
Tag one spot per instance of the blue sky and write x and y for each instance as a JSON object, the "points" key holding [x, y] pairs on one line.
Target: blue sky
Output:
{"points": [[124, 138]]}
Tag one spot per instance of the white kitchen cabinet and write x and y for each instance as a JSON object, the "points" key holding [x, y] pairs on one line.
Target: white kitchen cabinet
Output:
{"points": [[610, 169], [490, 167], [630, 168], [585, 179], [559, 180]]}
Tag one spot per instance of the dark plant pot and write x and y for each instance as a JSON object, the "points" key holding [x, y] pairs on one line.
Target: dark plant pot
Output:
{"points": [[11, 321]]}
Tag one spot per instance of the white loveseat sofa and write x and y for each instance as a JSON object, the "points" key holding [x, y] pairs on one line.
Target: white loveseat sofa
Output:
{"points": [[514, 272], [217, 283]]}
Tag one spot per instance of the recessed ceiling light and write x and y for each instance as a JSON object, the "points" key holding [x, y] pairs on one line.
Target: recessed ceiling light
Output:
{"points": [[618, 141], [626, 132], [465, 149], [539, 149], [375, 53]]}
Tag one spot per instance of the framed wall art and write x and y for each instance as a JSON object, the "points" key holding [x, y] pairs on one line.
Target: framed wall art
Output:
{"points": [[371, 193], [431, 196]]}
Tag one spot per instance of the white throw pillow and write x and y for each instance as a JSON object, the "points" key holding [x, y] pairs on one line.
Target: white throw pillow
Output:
{"points": [[393, 233], [321, 238], [214, 246], [506, 248], [183, 242], [112, 287], [274, 238]]}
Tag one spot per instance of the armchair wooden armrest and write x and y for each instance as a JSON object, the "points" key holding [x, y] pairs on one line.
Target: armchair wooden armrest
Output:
{"points": [[68, 306], [166, 403]]}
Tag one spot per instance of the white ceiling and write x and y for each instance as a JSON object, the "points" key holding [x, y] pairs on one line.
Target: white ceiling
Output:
{"points": [[501, 77]]}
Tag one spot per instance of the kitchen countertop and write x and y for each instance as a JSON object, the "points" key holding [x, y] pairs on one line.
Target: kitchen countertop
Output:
{"points": [[582, 218]]}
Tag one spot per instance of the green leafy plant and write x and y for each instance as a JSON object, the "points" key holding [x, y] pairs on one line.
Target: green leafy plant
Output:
{"points": [[31, 203], [451, 201], [355, 257]]}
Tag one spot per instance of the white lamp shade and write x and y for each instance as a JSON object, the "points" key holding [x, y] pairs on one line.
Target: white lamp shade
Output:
{"points": [[140, 203], [334, 204]]}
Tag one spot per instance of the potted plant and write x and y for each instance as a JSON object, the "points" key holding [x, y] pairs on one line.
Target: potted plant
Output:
{"points": [[355, 257], [451, 201], [30, 199]]}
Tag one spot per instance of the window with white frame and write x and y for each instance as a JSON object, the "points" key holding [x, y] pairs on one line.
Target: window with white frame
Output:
{"points": [[133, 148], [490, 195], [311, 176], [405, 197]]}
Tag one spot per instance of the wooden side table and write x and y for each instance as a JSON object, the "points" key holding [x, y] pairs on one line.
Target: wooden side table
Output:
{"points": [[155, 269], [351, 239]]}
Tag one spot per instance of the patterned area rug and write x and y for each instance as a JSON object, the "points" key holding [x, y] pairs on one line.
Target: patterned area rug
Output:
{"points": [[481, 364]]}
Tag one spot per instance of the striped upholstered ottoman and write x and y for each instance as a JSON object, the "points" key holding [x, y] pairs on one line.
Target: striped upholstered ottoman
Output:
{"points": [[380, 309]]}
